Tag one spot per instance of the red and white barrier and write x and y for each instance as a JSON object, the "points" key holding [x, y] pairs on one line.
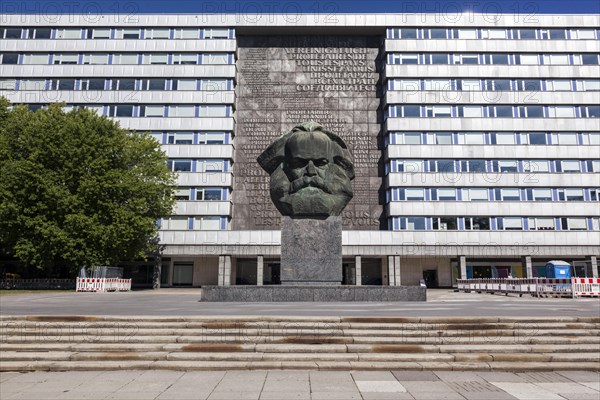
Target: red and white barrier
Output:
{"points": [[539, 287], [586, 287], [103, 285]]}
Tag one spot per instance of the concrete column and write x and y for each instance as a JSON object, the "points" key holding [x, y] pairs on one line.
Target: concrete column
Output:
{"points": [[526, 262], [594, 262], [221, 271], [227, 271], [259, 270], [397, 270], [156, 271], [358, 270], [462, 262], [391, 271]]}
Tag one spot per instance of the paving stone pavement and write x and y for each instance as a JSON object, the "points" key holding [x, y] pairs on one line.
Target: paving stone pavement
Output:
{"points": [[300, 385]]}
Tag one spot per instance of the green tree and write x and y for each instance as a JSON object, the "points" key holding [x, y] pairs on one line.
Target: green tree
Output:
{"points": [[77, 190]]}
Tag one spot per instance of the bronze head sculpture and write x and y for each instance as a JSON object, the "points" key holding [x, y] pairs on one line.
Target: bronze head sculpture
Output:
{"points": [[311, 172]]}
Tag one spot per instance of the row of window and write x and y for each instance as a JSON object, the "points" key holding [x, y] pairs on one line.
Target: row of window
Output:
{"points": [[500, 138], [476, 85], [201, 193], [116, 33], [494, 33], [493, 166], [492, 59], [494, 223], [208, 84], [152, 110], [117, 59], [198, 165], [197, 223], [493, 194], [492, 111], [192, 137]]}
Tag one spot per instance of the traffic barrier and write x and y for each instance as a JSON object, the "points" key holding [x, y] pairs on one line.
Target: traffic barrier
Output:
{"points": [[539, 287], [103, 285], [586, 287]]}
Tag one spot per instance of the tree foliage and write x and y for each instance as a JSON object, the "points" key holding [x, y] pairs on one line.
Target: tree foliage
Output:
{"points": [[76, 189]]}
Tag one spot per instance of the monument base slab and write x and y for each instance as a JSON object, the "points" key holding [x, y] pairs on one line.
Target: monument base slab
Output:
{"points": [[311, 251], [268, 294]]}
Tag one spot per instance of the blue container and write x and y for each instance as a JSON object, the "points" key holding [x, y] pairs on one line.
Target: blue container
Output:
{"points": [[558, 270]]}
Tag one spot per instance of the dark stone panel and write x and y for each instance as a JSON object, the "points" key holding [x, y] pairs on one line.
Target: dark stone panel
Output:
{"points": [[287, 80]]}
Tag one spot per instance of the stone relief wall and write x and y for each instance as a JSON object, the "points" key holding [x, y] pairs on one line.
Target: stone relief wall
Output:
{"points": [[283, 81]]}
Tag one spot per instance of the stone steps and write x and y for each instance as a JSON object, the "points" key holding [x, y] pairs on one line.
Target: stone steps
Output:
{"points": [[205, 343]]}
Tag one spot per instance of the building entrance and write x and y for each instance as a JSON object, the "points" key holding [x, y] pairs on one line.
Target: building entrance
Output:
{"points": [[183, 274]]}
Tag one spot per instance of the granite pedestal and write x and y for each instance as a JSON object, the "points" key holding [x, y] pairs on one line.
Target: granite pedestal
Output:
{"points": [[319, 293], [311, 251]]}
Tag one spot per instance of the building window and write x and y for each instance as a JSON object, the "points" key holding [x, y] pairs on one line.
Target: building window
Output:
{"points": [[10, 33], [558, 85], [531, 111], [555, 59], [185, 59], [541, 224], [155, 58], [412, 223], [466, 59], [125, 58], [438, 111], [439, 138], [473, 166], [569, 166], [574, 224], [564, 138], [211, 166], [213, 111], [442, 166], [526, 34], [153, 84], [477, 223], [510, 223], [42, 59], [506, 194], [443, 194], [494, 34], [122, 110], [497, 59], [175, 223], [182, 193], [570, 194], [152, 110], [215, 58], [472, 194], [157, 33], [178, 165], [503, 138], [39, 33], [445, 223], [33, 84], [98, 33], [529, 85], [591, 138], [213, 84], [470, 112], [182, 111], [95, 58], [10, 84], [536, 166], [404, 59], [207, 223], [466, 33], [212, 138], [180, 138], [129, 33], [589, 59], [186, 34], [505, 166], [471, 138], [62, 84], [588, 85], [583, 34], [561, 112], [68, 33], [209, 194], [216, 33], [590, 111], [124, 84], [407, 166], [539, 194]]}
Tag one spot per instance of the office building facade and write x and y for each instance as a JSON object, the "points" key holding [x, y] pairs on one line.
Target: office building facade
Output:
{"points": [[475, 139]]}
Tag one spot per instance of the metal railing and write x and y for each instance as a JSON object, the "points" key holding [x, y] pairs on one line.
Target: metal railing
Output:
{"points": [[538, 287]]}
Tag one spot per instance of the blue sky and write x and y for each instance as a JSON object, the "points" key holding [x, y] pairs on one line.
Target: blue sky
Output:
{"points": [[299, 6]]}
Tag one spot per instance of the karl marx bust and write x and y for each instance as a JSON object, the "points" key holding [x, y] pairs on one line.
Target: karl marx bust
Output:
{"points": [[311, 172]]}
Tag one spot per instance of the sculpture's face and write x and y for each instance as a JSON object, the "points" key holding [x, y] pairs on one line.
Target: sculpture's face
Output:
{"points": [[307, 160], [311, 181]]}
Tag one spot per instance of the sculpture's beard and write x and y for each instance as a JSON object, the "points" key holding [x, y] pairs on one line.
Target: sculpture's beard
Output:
{"points": [[311, 196]]}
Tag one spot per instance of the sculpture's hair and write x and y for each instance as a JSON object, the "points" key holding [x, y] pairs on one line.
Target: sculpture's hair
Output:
{"points": [[273, 156]]}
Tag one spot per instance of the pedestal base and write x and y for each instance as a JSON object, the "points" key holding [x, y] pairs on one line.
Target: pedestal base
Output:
{"points": [[311, 251], [267, 294]]}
